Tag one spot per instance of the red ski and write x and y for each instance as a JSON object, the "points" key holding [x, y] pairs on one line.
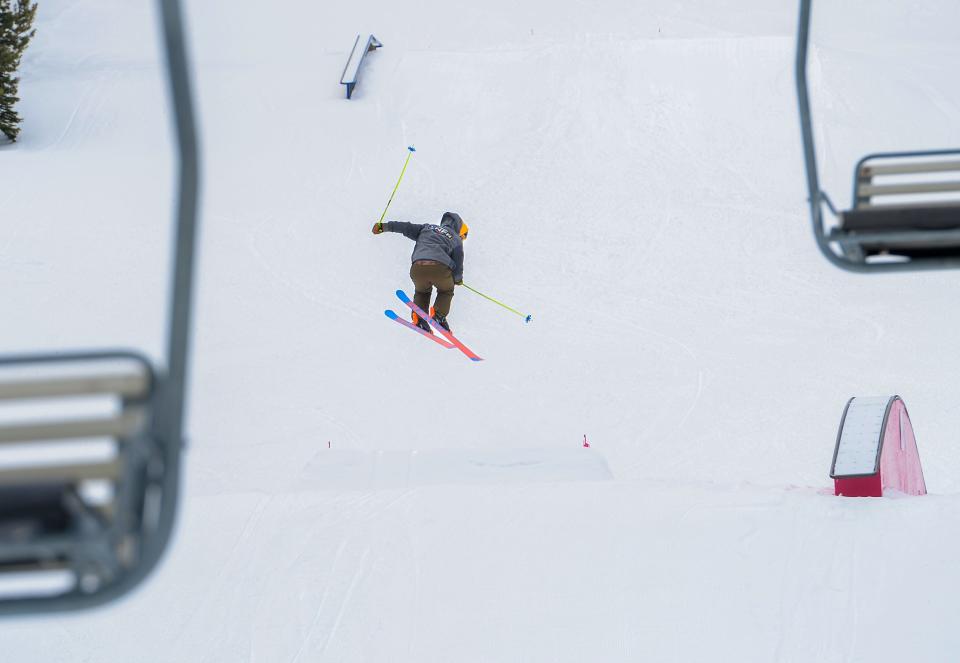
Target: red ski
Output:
{"points": [[453, 340], [393, 316]]}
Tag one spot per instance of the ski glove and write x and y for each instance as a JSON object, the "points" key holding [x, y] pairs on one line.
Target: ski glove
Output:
{"points": [[377, 228]]}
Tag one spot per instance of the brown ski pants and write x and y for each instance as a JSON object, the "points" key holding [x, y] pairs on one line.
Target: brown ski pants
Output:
{"points": [[427, 275]]}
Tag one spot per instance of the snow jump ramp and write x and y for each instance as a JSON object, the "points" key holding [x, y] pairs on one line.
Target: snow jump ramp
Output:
{"points": [[876, 451]]}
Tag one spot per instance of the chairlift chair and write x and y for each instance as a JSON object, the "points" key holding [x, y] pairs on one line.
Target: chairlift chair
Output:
{"points": [[906, 205], [77, 531]]}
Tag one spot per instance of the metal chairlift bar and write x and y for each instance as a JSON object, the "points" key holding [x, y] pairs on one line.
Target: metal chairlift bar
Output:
{"points": [[912, 239], [909, 168], [124, 425], [912, 154], [862, 176], [913, 187], [814, 195], [76, 472], [51, 552], [34, 567], [829, 203], [128, 386], [78, 357], [181, 296], [910, 205]]}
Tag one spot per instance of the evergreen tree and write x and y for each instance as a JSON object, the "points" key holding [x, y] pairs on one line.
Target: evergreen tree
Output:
{"points": [[16, 30]]}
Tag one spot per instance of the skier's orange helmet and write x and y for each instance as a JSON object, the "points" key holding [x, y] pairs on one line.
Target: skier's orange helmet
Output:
{"points": [[464, 229]]}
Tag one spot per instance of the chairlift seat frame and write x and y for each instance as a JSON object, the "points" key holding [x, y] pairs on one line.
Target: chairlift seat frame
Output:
{"points": [[921, 231], [917, 229], [108, 546]]}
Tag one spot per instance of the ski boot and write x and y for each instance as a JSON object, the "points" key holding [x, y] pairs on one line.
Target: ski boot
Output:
{"points": [[441, 320], [421, 323]]}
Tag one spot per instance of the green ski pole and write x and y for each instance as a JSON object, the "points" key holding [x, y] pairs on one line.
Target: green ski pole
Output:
{"points": [[526, 318], [399, 179]]}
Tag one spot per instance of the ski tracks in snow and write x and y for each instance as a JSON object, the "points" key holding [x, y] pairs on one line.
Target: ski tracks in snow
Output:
{"points": [[330, 634], [809, 567], [365, 546], [359, 573], [687, 350], [278, 276]]}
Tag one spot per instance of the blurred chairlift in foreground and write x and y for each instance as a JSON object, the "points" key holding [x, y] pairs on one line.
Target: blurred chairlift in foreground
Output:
{"points": [[91, 440], [905, 213]]}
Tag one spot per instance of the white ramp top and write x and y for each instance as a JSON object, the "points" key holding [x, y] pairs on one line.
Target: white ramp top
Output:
{"points": [[858, 444]]}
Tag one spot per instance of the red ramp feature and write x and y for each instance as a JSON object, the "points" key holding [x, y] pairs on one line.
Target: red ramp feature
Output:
{"points": [[876, 451]]}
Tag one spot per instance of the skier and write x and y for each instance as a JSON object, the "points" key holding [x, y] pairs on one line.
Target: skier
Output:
{"points": [[437, 262]]}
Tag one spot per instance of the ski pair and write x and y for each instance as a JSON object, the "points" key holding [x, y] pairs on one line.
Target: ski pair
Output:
{"points": [[448, 340]]}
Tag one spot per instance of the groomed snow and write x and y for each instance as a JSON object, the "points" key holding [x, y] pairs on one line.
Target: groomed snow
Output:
{"points": [[632, 176]]}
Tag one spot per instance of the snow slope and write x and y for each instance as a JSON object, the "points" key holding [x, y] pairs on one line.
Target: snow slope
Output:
{"points": [[632, 176]]}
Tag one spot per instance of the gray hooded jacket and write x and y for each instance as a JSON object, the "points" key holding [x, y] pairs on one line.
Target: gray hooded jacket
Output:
{"points": [[441, 243]]}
